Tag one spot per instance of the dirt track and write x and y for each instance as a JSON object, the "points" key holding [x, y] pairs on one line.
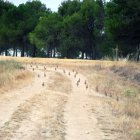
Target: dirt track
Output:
{"points": [[53, 107]]}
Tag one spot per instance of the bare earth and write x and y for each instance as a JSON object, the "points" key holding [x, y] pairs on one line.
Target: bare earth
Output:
{"points": [[53, 107]]}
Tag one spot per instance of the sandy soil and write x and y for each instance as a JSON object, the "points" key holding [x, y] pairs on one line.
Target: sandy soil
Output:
{"points": [[55, 107]]}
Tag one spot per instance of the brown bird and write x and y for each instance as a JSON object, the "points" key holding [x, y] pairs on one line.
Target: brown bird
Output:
{"points": [[105, 93], [55, 68], [117, 98], [38, 75], [73, 70], [77, 83], [97, 89], [85, 82], [44, 74], [44, 68], [69, 73], [86, 86], [110, 95], [43, 84], [33, 69], [78, 80]]}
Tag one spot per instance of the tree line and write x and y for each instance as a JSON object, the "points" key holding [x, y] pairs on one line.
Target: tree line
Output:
{"points": [[90, 29]]}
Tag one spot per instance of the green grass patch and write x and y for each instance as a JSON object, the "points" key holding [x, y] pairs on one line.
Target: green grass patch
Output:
{"points": [[135, 134]]}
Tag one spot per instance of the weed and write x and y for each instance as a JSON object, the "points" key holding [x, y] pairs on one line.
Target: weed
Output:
{"points": [[135, 134]]}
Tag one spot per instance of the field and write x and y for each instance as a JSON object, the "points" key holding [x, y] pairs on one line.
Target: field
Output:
{"points": [[64, 99]]}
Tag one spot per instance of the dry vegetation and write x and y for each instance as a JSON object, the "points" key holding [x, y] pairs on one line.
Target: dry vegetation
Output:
{"points": [[57, 83], [12, 74], [118, 82]]}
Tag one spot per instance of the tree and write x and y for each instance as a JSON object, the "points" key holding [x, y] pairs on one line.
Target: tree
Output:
{"points": [[46, 34], [17, 22], [93, 18], [31, 13], [123, 19], [69, 7], [72, 35], [5, 34]]}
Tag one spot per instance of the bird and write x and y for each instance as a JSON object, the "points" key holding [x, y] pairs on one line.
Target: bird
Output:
{"points": [[73, 70], [77, 83], [44, 68], [105, 93], [110, 95], [85, 82], [33, 69], [78, 80], [43, 84], [97, 89], [117, 98], [64, 71], [38, 75], [55, 68], [44, 74], [69, 73], [86, 86]]}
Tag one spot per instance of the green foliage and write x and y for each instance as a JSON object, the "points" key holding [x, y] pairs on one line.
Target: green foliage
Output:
{"points": [[122, 23], [130, 93], [135, 134], [92, 28], [69, 7]]}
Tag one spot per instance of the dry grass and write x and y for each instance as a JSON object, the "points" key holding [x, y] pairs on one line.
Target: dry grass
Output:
{"points": [[117, 81], [59, 83], [12, 74], [123, 92]]}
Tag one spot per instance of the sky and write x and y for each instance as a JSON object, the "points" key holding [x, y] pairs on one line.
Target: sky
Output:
{"points": [[52, 4]]}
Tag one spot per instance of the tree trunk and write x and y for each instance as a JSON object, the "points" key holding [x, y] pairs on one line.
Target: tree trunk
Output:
{"points": [[54, 53], [34, 51], [82, 54], [16, 52], [27, 53], [6, 52], [22, 51], [138, 53], [14, 49], [86, 56], [94, 53], [51, 53], [48, 53]]}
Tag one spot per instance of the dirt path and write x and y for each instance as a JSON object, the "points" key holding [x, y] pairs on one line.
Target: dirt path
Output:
{"points": [[52, 107], [81, 124]]}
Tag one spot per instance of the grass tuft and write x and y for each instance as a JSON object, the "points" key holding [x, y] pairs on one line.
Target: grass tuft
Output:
{"points": [[11, 72], [135, 134]]}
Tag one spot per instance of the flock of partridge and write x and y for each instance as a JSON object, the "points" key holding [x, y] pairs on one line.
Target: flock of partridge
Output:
{"points": [[75, 73], [64, 71]]}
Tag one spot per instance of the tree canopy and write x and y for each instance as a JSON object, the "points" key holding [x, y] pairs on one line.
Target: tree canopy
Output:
{"points": [[80, 29]]}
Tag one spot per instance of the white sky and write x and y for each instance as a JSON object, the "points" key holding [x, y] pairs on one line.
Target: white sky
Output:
{"points": [[52, 4]]}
